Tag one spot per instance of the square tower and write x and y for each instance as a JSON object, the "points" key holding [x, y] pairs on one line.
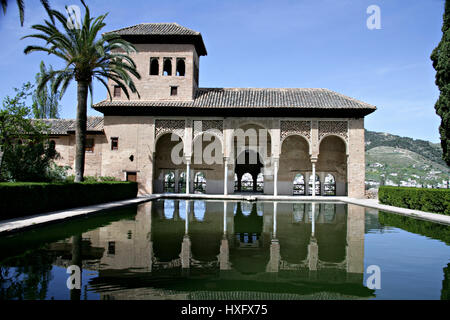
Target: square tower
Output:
{"points": [[168, 60]]}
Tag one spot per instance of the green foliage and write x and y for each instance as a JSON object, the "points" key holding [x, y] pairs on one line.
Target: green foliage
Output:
{"points": [[92, 179], [441, 63], [45, 102], [22, 199], [425, 228], [86, 56], [429, 200], [21, 7], [424, 148], [397, 165], [27, 154]]}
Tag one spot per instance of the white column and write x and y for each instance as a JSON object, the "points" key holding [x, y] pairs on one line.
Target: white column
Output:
{"points": [[225, 178], [314, 179], [313, 218], [188, 171], [275, 177]]}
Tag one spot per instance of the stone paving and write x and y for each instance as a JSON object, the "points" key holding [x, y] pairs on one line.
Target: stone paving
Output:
{"points": [[20, 224]]}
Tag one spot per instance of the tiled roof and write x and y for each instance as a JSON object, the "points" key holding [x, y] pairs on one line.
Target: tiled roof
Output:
{"points": [[63, 126], [253, 98], [162, 33], [156, 29]]}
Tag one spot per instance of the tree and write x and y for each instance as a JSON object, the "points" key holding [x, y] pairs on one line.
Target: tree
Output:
{"points": [[86, 57], [21, 6], [27, 154], [441, 63], [45, 102]]}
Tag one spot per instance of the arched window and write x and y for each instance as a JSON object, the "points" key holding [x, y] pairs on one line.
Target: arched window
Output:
{"points": [[181, 68], [299, 185], [169, 209], [182, 209], [329, 212], [329, 185], [317, 184], [246, 208], [154, 67], [199, 183], [260, 183], [298, 211], [259, 209], [199, 210], [182, 183], [169, 182], [167, 71], [236, 183], [247, 182]]}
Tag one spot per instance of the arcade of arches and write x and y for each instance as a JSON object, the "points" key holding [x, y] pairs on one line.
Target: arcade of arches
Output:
{"points": [[273, 157]]}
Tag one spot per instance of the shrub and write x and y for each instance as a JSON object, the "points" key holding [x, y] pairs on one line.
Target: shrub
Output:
{"points": [[22, 199], [430, 200]]}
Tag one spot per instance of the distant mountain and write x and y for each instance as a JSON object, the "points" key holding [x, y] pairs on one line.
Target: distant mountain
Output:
{"points": [[395, 160], [429, 150]]}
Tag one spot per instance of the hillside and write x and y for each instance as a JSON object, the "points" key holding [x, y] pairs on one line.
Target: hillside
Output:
{"points": [[431, 151], [395, 160]]}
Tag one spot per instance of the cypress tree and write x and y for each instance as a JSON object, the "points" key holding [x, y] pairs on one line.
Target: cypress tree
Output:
{"points": [[441, 63]]}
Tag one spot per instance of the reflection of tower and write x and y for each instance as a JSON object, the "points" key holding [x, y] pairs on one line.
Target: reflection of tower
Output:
{"points": [[355, 242], [141, 243], [186, 244]]}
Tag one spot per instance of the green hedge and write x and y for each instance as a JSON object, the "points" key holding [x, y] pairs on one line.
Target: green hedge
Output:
{"points": [[426, 228], [430, 200], [23, 199]]}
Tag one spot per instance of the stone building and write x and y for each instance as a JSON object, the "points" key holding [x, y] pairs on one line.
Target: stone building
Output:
{"points": [[218, 140]]}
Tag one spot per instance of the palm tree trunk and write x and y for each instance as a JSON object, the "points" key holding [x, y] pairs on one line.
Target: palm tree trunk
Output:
{"points": [[80, 133]]}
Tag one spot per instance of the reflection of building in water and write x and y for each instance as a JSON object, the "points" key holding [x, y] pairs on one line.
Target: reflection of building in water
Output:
{"points": [[239, 242]]}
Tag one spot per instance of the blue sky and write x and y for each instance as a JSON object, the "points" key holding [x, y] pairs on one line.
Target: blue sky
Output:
{"points": [[276, 44]]}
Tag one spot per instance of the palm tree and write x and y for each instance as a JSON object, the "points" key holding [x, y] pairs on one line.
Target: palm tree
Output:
{"points": [[45, 103], [86, 57], [21, 6]]}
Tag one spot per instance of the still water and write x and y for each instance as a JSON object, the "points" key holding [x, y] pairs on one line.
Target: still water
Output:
{"points": [[170, 249]]}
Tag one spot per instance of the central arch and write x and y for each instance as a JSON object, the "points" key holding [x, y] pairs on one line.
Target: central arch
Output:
{"points": [[248, 167], [251, 149]]}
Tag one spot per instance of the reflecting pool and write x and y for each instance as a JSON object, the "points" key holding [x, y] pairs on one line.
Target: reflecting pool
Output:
{"points": [[177, 249]]}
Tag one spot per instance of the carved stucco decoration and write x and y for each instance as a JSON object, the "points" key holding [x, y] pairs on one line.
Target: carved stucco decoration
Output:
{"points": [[170, 126], [215, 126], [338, 128], [302, 128]]}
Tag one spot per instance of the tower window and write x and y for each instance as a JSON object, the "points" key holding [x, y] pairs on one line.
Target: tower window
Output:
{"points": [[117, 91], [154, 66], [114, 143], [181, 68], [173, 91], [167, 67]]}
